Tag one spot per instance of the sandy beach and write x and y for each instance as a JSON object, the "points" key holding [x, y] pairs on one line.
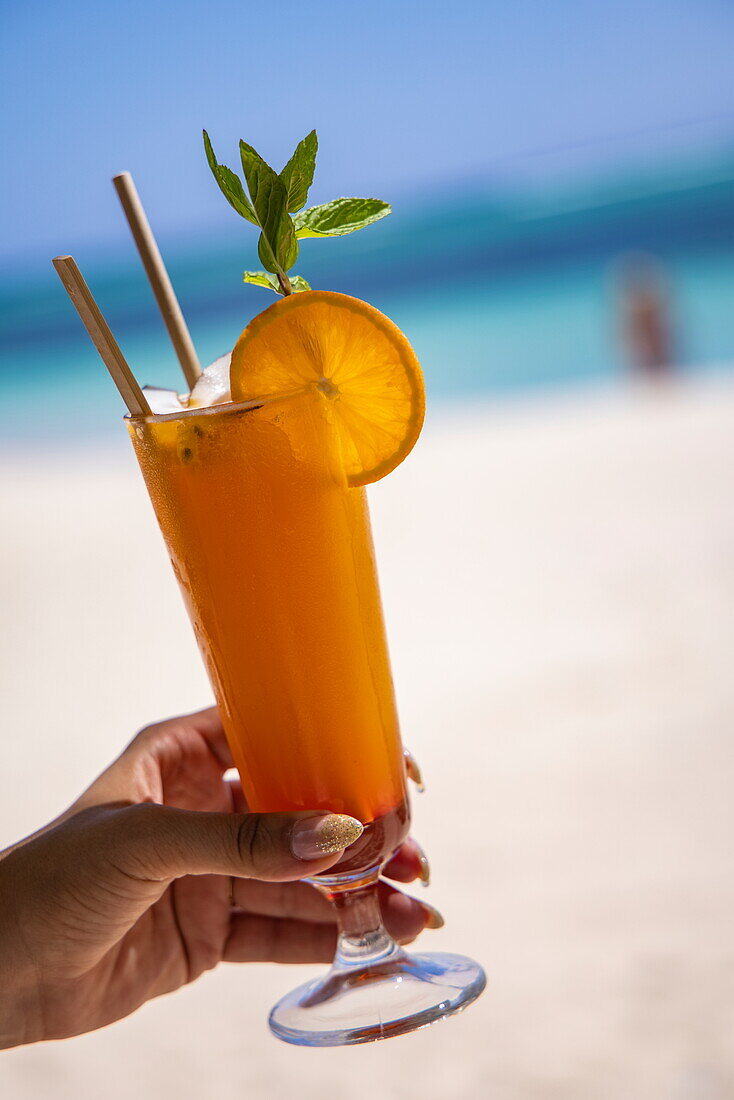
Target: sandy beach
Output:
{"points": [[558, 580]]}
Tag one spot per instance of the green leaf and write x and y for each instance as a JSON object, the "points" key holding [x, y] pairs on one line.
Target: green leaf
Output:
{"points": [[298, 172], [335, 219], [266, 279], [262, 278], [277, 247], [229, 184]]}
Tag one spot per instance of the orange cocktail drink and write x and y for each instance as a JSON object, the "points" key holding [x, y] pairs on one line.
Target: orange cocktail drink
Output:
{"points": [[257, 479], [274, 556]]}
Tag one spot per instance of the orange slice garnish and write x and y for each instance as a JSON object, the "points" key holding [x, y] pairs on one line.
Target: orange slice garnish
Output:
{"points": [[355, 356]]}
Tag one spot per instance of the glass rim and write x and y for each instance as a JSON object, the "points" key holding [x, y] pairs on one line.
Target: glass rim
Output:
{"points": [[222, 408]]}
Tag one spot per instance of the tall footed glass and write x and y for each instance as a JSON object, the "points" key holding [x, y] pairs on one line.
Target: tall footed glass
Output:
{"points": [[273, 553]]}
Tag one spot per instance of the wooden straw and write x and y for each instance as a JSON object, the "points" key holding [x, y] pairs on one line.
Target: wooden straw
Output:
{"points": [[158, 277], [102, 338]]}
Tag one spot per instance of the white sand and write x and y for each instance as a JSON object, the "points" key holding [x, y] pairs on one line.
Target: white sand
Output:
{"points": [[558, 578]]}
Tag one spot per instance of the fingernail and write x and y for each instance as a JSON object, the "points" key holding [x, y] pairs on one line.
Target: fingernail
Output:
{"points": [[425, 875], [414, 772], [435, 920], [314, 837]]}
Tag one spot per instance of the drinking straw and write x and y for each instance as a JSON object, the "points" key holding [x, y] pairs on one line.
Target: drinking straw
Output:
{"points": [[102, 338], [158, 277]]}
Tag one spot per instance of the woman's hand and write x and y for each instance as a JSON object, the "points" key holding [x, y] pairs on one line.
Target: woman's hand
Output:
{"points": [[131, 894]]}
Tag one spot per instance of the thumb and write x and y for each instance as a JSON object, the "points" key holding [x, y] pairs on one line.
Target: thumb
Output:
{"points": [[163, 843]]}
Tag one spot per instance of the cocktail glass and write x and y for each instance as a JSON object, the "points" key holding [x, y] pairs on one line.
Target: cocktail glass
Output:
{"points": [[273, 553]]}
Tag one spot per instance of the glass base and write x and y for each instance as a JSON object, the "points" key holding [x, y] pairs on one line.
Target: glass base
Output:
{"points": [[360, 1004]]}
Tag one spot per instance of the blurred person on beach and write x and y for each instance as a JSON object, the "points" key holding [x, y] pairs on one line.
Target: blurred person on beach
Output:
{"points": [[645, 317], [158, 873]]}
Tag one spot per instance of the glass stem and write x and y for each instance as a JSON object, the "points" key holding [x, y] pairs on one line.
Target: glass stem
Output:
{"points": [[363, 939]]}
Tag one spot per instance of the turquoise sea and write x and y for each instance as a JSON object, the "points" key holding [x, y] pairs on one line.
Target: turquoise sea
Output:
{"points": [[498, 291]]}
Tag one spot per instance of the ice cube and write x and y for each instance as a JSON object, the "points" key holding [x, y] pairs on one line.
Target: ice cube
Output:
{"points": [[163, 401], [212, 386]]}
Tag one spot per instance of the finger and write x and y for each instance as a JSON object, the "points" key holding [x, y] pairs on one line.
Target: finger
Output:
{"points": [[204, 724], [413, 771], [404, 917], [291, 900], [409, 862], [162, 843], [253, 938], [256, 938], [209, 724], [198, 739]]}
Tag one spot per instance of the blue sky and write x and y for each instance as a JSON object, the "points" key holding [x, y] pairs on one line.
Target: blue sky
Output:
{"points": [[409, 98]]}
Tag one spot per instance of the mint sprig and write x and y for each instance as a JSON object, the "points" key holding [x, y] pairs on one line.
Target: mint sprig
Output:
{"points": [[274, 203]]}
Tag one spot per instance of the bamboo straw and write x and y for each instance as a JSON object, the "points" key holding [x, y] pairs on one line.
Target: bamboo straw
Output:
{"points": [[101, 336], [158, 277]]}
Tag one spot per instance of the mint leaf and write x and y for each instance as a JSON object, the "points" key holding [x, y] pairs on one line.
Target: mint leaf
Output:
{"points": [[229, 184], [335, 219], [298, 283], [298, 172], [277, 247], [264, 278]]}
